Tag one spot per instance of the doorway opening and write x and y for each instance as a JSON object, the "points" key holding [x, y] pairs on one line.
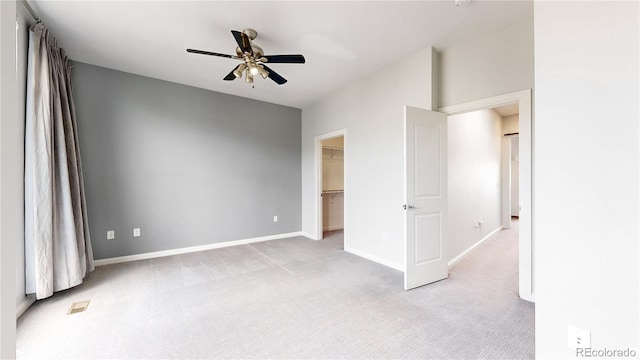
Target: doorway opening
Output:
{"points": [[330, 185], [513, 184], [510, 163], [516, 151]]}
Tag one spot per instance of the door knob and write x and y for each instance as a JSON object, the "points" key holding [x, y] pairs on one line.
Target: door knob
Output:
{"points": [[410, 207]]}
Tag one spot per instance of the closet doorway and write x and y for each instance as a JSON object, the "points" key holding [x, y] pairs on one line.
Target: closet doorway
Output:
{"points": [[332, 185], [330, 152]]}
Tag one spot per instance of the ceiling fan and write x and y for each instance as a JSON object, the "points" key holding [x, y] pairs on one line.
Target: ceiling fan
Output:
{"points": [[253, 58]]}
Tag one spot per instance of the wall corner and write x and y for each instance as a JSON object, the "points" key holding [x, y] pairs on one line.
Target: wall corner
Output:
{"points": [[435, 81]]}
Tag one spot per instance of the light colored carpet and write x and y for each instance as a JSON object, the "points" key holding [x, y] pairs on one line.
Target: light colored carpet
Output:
{"points": [[290, 298]]}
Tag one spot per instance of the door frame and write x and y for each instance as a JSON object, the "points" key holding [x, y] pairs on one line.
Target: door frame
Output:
{"points": [[317, 183], [526, 243]]}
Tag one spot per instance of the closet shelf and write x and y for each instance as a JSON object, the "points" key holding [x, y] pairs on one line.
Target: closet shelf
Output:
{"points": [[332, 193]]}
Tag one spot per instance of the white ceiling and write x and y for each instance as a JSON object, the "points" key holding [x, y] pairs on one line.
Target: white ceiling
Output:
{"points": [[341, 41]]}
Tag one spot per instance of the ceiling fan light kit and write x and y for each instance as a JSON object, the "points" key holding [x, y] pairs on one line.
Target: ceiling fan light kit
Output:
{"points": [[238, 71], [253, 58]]}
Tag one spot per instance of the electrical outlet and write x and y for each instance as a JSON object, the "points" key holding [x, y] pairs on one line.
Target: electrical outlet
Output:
{"points": [[111, 235], [136, 232], [578, 338], [275, 218]]}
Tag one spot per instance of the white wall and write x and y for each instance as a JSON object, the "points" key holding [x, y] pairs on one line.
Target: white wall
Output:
{"points": [[510, 124], [474, 142], [587, 174], [11, 170], [496, 64], [371, 110]]}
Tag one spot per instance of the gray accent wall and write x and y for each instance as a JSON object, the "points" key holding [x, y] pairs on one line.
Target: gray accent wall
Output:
{"points": [[185, 165]]}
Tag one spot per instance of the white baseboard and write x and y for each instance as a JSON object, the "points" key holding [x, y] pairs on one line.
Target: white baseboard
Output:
{"points": [[25, 304], [462, 255], [528, 297], [374, 258], [157, 254], [307, 235]]}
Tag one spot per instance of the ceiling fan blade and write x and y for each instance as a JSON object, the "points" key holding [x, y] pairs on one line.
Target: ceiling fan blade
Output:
{"points": [[243, 41], [285, 59], [275, 76], [230, 76], [194, 51]]}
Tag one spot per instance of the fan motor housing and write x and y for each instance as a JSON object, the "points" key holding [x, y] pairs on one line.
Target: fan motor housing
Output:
{"points": [[252, 34]]}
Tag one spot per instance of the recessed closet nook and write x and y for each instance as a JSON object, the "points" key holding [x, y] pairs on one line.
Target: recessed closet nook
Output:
{"points": [[333, 184]]}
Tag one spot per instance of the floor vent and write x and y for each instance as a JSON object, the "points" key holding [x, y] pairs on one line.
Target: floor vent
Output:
{"points": [[78, 307]]}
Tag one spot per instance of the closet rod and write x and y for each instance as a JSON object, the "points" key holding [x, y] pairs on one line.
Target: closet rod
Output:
{"points": [[30, 10], [332, 191]]}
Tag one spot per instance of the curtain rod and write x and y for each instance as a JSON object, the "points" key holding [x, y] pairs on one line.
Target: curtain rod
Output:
{"points": [[30, 10]]}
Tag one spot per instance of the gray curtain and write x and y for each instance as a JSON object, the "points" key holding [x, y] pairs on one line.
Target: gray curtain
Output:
{"points": [[58, 251]]}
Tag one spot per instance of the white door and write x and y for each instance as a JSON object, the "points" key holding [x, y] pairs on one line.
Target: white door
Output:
{"points": [[426, 197]]}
